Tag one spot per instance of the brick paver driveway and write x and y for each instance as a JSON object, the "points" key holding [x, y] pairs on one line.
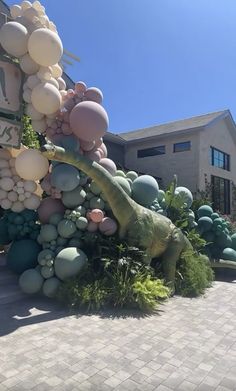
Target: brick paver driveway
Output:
{"points": [[189, 345]]}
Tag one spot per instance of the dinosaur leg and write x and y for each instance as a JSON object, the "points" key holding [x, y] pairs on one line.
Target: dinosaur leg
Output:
{"points": [[170, 258]]}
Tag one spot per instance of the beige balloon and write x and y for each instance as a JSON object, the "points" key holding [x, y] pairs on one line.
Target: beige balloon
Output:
{"points": [[27, 95], [14, 38], [62, 84], [28, 65], [54, 82], [44, 73], [32, 81], [46, 98], [17, 207], [39, 126], [15, 11], [32, 202], [32, 165], [32, 113], [45, 47], [56, 71]]}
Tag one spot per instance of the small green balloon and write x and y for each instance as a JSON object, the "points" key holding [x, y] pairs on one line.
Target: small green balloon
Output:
{"points": [[120, 173], [47, 272], [66, 228], [96, 203], [31, 281], [82, 223], [50, 287], [94, 188], [48, 232]]}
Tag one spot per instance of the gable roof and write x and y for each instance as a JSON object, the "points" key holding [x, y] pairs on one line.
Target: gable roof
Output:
{"points": [[176, 126]]}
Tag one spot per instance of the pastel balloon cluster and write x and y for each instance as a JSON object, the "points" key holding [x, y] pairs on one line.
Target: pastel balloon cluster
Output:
{"points": [[33, 39], [20, 171]]}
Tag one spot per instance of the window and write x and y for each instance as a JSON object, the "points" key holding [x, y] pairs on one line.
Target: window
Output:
{"points": [[160, 150], [220, 159], [181, 147], [221, 194]]}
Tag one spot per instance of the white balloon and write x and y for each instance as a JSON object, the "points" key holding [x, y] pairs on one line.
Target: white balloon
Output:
{"points": [[6, 183], [14, 38], [15, 11], [26, 4], [27, 95], [28, 65], [12, 196], [32, 202], [31, 165], [56, 70], [17, 207], [45, 47], [6, 172], [52, 27], [32, 81], [54, 82], [32, 113], [62, 84], [30, 13], [39, 126], [6, 204], [4, 163], [44, 73], [3, 194], [46, 98], [37, 5], [30, 186]]}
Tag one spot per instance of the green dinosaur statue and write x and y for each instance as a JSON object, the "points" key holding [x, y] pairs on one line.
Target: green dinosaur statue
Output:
{"points": [[141, 227]]}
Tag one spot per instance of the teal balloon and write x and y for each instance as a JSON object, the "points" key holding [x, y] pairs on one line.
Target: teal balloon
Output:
{"points": [[233, 239], [65, 177], [229, 254], [72, 199], [209, 236], [205, 223], [23, 255], [47, 271], [31, 281], [82, 223], [224, 240], [145, 190], [205, 210], [94, 188], [120, 173], [69, 262], [123, 183], [55, 218], [161, 195], [50, 287], [48, 233], [29, 214], [96, 203], [4, 235], [214, 216], [75, 242], [66, 228], [70, 143]]}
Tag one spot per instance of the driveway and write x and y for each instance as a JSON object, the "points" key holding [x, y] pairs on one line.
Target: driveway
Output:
{"points": [[189, 344]]}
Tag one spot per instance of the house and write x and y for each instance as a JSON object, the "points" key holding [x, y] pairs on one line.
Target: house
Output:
{"points": [[200, 150]]}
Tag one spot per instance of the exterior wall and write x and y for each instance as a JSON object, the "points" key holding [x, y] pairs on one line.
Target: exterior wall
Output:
{"points": [[184, 164], [116, 152]]}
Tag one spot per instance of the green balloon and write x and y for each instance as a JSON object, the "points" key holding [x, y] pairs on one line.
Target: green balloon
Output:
{"points": [[229, 254], [48, 233], [132, 175], [44, 256], [233, 239], [89, 195], [23, 255], [31, 281], [55, 218], [94, 188], [120, 173], [205, 223], [82, 223], [81, 209], [214, 216], [66, 228], [124, 184], [75, 242], [205, 210], [47, 272], [69, 262], [96, 203], [50, 287], [73, 198]]}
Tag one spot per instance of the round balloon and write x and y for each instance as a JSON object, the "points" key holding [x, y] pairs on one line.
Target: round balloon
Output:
{"points": [[65, 177], [14, 38], [31, 281], [109, 165], [45, 47], [50, 287], [23, 255], [31, 164], [145, 190], [69, 262], [89, 121], [48, 207], [46, 98]]}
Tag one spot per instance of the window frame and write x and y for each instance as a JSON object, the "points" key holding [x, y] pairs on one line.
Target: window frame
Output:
{"points": [[225, 160], [221, 203]]}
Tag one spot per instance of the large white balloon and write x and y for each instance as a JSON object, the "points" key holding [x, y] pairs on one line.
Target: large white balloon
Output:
{"points": [[27, 95], [56, 70], [45, 47], [39, 126], [14, 38], [46, 98], [32, 113], [32, 81], [15, 11], [28, 65], [32, 165]]}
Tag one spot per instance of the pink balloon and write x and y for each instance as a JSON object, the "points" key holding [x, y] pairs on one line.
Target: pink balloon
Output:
{"points": [[48, 207], [109, 165], [89, 121], [108, 226], [103, 150], [92, 227], [94, 94], [94, 155], [98, 143], [87, 145], [80, 86], [96, 215]]}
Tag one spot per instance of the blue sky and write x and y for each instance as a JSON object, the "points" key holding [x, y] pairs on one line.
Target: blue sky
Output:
{"points": [[155, 60]]}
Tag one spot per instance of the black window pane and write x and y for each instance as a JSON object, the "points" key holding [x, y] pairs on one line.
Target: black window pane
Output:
{"points": [[221, 194], [160, 150], [180, 147], [220, 159]]}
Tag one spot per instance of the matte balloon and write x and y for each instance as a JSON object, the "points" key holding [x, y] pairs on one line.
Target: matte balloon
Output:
{"points": [[48, 207], [74, 198], [32, 81], [14, 38], [31, 281], [32, 202], [145, 190], [80, 86], [96, 215], [45, 47], [66, 228], [62, 86], [46, 98], [50, 287], [65, 177], [6, 183], [39, 126], [69, 262], [108, 226], [94, 94], [89, 121], [56, 71], [28, 65], [87, 145], [17, 207], [15, 11], [109, 165], [33, 113], [6, 204], [31, 164], [23, 255]]}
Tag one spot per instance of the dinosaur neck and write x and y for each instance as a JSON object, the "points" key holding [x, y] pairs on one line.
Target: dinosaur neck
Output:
{"points": [[121, 204]]}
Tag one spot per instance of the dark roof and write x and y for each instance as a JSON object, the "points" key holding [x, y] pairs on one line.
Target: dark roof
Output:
{"points": [[114, 138], [176, 126]]}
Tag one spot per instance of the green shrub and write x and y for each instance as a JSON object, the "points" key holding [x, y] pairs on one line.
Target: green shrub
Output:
{"points": [[147, 293], [29, 136], [194, 274]]}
